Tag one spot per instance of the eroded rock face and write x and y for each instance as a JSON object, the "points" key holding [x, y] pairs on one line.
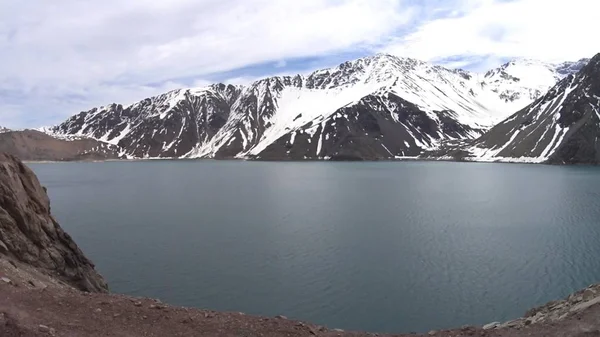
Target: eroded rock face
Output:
{"points": [[30, 234]]}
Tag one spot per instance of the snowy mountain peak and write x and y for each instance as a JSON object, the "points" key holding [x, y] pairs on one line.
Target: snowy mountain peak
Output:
{"points": [[569, 68], [532, 70], [562, 126]]}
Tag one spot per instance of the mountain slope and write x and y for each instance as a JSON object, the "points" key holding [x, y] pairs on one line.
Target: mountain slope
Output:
{"points": [[563, 126], [35, 145], [417, 105]]}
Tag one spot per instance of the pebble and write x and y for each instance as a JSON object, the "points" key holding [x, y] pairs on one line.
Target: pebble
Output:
{"points": [[98, 310], [137, 304], [432, 332], [116, 315], [44, 328], [281, 317], [6, 280], [338, 330]]}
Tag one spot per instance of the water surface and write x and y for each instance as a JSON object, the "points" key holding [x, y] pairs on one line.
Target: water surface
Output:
{"points": [[386, 247]]}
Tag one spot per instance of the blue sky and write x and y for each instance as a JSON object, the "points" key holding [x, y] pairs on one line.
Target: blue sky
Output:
{"points": [[63, 56]]}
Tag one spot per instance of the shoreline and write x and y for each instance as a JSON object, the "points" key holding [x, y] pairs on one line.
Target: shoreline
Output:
{"points": [[80, 313]]}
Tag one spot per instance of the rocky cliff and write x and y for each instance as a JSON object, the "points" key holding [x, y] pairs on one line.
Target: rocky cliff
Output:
{"points": [[29, 233]]}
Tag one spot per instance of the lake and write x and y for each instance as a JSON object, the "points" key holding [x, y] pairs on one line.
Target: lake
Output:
{"points": [[374, 246]]}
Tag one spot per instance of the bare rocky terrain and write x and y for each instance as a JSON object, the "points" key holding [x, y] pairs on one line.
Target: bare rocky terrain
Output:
{"points": [[32, 145], [49, 288]]}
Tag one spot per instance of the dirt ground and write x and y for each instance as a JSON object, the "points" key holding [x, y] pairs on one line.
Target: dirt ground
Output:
{"points": [[33, 304]]}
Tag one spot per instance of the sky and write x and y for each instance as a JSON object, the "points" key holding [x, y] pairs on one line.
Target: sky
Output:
{"points": [[60, 57]]}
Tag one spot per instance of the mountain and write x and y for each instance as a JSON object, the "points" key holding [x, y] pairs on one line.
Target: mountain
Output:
{"points": [[36, 145], [563, 126], [377, 107]]}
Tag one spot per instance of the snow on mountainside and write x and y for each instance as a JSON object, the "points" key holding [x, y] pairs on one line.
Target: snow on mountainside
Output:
{"points": [[374, 107], [563, 126]]}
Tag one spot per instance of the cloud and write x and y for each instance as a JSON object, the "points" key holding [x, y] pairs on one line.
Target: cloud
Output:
{"points": [[112, 48], [550, 30], [63, 56], [280, 64]]}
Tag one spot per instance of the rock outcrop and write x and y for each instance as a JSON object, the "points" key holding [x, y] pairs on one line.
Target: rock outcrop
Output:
{"points": [[556, 311], [29, 233]]}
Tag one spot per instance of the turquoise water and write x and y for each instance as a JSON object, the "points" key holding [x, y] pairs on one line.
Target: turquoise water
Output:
{"points": [[385, 247]]}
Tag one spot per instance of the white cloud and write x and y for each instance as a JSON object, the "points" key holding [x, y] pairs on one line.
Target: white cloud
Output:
{"points": [[111, 47], [551, 30], [62, 56]]}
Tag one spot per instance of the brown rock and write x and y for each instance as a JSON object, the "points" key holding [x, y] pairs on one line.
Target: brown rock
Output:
{"points": [[36, 145], [30, 233]]}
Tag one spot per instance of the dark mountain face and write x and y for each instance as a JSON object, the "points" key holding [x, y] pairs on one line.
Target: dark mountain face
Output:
{"points": [[563, 126], [581, 114], [376, 127], [168, 125]]}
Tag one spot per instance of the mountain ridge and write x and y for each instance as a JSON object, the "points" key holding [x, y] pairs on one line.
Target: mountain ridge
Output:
{"points": [[562, 126], [227, 121]]}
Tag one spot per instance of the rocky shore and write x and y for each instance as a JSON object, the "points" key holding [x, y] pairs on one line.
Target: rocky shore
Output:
{"points": [[49, 288]]}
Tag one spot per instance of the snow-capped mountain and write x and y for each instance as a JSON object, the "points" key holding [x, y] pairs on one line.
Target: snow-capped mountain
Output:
{"points": [[563, 126], [374, 107]]}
